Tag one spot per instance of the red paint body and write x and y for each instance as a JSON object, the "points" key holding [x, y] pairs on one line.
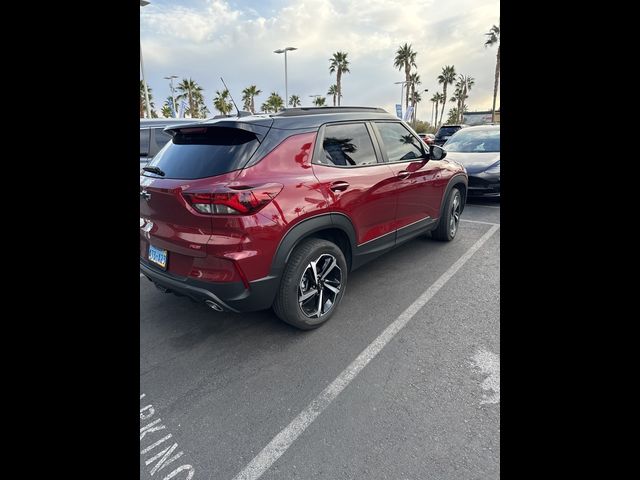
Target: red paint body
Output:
{"points": [[234, 248]]}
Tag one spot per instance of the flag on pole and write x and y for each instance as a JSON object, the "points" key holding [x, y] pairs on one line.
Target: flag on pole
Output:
{"points": [[408, 113], [182, 109]]}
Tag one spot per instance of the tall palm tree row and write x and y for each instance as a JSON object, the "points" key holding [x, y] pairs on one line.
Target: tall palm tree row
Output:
{"points": [[190, 91], [294, 101], [339, 64], [248, 95], [494, 39], [447, 77], [333, 91], [405, 59]]}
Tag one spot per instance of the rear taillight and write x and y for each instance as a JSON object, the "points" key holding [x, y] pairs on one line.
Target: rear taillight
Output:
{"points": [[227, 201]]}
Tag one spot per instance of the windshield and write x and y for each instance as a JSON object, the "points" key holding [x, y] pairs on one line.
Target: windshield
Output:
{"points": [[474, 141]]}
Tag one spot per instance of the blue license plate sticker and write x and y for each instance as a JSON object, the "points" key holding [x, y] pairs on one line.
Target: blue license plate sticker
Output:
{"points": [[158, 256]]}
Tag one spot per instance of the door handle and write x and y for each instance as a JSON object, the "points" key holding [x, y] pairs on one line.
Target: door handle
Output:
{"points": [[339, 186], [404, 174]]}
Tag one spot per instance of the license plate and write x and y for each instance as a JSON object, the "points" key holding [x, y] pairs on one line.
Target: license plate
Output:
{"points": [[158, 256]]}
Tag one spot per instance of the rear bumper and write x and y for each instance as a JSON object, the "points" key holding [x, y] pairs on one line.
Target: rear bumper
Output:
{"points": [[231, 296]]}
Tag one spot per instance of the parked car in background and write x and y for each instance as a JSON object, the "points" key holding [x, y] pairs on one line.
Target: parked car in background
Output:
{"points": [[445, 131], [152, 136], [478, 149], [427, 138], [262, 211]]}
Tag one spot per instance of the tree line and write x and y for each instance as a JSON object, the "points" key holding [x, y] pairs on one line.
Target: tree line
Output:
{"points": [[190, 94]]}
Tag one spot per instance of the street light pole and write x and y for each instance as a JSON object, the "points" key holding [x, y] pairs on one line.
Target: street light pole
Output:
{"points": [[286, 88], [173, 96], [415, 110], [144, 3]]}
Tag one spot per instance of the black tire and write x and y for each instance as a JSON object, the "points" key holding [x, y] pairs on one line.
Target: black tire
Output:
{"points": [[298, 281], [446, 230]]}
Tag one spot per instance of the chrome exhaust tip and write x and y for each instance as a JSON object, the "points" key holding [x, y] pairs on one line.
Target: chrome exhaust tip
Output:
{"points": [[213, 305]]}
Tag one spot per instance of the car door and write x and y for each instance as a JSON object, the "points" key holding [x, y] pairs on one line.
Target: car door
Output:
{"points": [[355, 181], [414, 177], [145, 145]]}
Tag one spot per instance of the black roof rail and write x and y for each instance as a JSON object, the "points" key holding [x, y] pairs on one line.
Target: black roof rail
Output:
{"points": [[290, 112]]}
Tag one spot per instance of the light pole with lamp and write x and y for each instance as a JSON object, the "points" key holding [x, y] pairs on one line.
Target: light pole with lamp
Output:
{"points": [[286, 91], [144, 3], [415, 109], [173, 96]]}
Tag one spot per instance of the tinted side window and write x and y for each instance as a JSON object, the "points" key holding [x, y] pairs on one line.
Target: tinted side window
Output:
{"points": [[144, 142], [347, 145], [160, 138], [398, 142]]}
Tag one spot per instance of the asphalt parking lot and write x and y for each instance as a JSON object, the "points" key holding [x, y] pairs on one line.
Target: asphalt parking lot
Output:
{"points": [[221, 387]]}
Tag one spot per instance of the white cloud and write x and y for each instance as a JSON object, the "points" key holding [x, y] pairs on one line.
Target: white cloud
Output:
{"points": [[218, 38]]}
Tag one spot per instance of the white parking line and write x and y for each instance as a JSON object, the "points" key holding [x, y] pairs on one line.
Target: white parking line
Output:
{"points": [[283, 440], [478, 221]]}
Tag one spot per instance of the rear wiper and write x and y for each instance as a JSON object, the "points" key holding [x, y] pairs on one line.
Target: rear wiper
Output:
{"points": [[155, 170]]}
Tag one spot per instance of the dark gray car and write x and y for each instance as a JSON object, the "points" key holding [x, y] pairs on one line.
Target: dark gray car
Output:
{"points": [[153, 138]]}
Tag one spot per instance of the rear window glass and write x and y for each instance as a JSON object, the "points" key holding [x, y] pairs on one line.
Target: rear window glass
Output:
{"points": [[144, 142], [447, 131], [205, 152]]}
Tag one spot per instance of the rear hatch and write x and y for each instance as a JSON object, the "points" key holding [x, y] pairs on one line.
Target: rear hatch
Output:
{"points": [[197, 159]]}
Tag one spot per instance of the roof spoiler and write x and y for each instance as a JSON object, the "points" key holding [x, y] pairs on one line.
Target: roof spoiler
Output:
{"points": [[259, 129]]}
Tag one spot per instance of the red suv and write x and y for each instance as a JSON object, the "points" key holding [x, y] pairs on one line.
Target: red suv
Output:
{"points": [[247, 213]]}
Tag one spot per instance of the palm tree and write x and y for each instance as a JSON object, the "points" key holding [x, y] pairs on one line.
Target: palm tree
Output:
{"points": [[248, 95], [494, 38], [143, 102], [453, 115], [447, 77], [405, 59], [434, 100], [438, 98], [333, 90], [414, 80], [339, 64], [221, 103], [294, 101], [275, 102], [319, 101], [467, 83], [191, 91], [415, 100]]}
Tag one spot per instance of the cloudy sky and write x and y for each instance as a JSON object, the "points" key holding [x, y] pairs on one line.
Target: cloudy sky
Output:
{"points": [[235, 39]]}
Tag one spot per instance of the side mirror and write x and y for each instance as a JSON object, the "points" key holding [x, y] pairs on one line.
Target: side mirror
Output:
{"points": [[436, 152]]}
